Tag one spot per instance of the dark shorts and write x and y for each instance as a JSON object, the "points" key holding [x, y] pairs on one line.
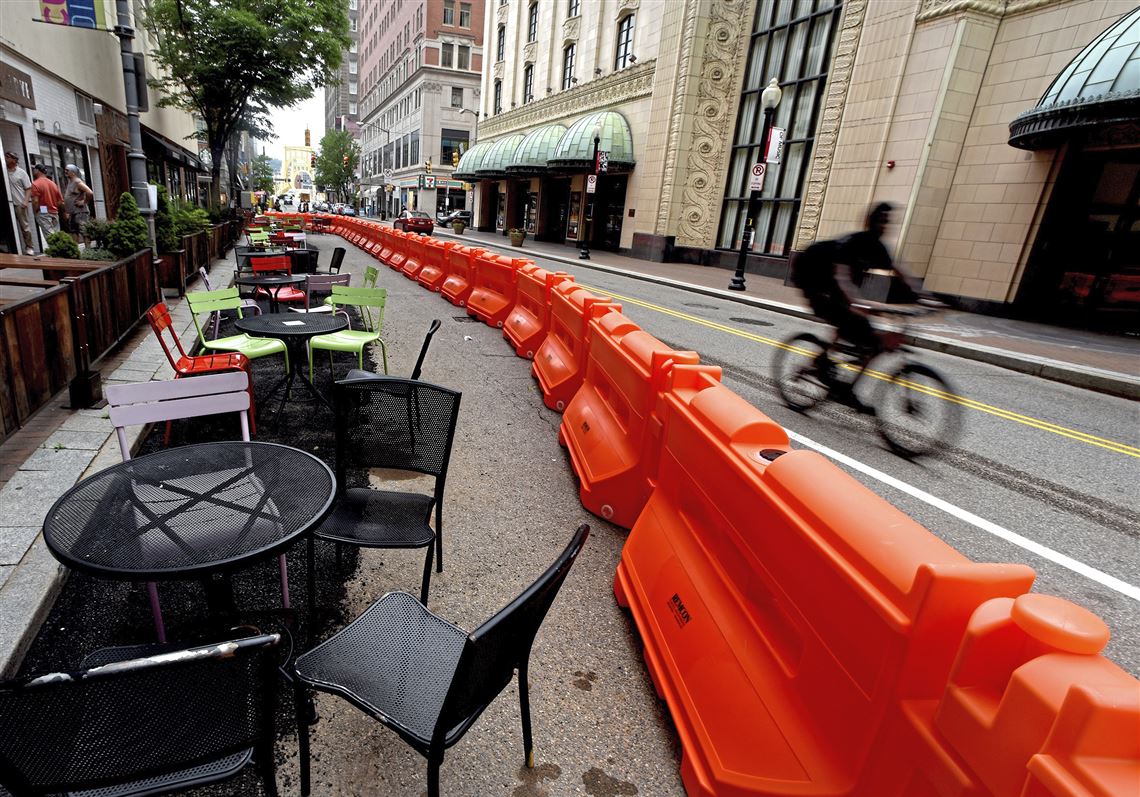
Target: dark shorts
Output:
{"points": [[851, 326], [76, 221]]}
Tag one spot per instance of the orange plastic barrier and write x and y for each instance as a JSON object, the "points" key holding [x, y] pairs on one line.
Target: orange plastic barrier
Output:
{"points": [[460, 279], [386, 244], [493, 290], [374, 244], [529, 319], [612, 427], [560, 362], [783, 606], [434, 269], [414, 246], [399, 250]]}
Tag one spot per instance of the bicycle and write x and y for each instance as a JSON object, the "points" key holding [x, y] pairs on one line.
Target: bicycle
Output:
{"points": [[915, 408]]}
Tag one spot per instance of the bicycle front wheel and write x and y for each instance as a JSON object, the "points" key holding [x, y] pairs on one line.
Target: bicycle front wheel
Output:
{"points": [[917, 411], [798, 380]]}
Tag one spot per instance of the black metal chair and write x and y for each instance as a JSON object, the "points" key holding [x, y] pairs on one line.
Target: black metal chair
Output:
{"points": [[337, 259], [356, 373], [423, 677], [130, 723], [387, 422]]}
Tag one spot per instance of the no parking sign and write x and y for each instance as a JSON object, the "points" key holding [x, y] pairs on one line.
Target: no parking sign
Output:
{"points": [[756, 177]]}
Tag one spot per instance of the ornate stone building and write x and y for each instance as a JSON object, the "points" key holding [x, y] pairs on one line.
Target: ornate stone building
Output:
{"points": [[909, 101]]}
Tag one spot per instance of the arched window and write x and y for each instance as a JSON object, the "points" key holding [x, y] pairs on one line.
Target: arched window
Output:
{"points": [[624, 42], [572, 8], [568, 54], [528, 83], [498, 96], [532, 22], [501, 43]]}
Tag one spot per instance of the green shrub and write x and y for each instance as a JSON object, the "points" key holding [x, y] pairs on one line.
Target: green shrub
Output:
{"points": [[128, 232], [97, 231], [165, 235], [60, 244], [92, 253], [188, 221]]}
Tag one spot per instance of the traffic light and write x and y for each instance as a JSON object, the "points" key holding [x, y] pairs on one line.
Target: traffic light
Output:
{"points": [[427, 165], [344, 160], [312, 160], [454, 158]]}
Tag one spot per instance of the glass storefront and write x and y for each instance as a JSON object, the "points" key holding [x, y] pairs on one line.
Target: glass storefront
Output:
{"points": [[55, 153]]}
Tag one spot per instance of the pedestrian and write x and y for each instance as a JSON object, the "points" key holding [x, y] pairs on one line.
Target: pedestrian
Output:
{"points": [[77, 200], [47, 197], [18, 185]]}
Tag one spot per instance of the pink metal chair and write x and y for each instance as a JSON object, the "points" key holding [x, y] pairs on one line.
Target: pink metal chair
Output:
{"points": [[133, 404]]}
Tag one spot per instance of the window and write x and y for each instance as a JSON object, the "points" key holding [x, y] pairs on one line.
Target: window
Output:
{"points": [[498, 96], [352, 68], [528, 83], [448, 12], [445, 55], [352, 108], [797, 47], [624, 42], [86, 108], [352, 24], [352, 46], [501, 43], [532, 22], [568, 78], [464, 60], [414, 148], [451, 141], [572, 9], [352, 87], [456, 97], [465, 15]]}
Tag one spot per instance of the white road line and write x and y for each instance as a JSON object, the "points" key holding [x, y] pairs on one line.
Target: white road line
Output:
{"points": [[1102, 578]]}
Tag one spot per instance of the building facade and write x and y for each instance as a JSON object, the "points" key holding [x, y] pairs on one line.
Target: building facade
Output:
{"points": [[342, 96], [62, 101], [420, 75], [910, 102]]}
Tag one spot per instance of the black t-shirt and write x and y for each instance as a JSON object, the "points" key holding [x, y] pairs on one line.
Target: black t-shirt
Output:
{"points": [[813, 270]]}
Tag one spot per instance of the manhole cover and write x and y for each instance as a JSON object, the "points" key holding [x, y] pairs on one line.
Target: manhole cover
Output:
{"points": [[754, 322], [465, 319]]}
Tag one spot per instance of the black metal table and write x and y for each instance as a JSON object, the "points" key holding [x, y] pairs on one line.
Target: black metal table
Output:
{"points": [[273, 283], [294, 329], [190, 512]]}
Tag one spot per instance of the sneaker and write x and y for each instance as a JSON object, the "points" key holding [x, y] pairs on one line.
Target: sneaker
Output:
{"points": [[30, 251]]}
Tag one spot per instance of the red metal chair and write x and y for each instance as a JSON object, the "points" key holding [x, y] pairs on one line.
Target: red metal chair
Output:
{"points": [[190, 365], [281, 239], [281, 264]]}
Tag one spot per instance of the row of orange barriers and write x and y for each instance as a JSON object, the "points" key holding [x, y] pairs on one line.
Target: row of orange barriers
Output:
{"points": [[808, 637]]}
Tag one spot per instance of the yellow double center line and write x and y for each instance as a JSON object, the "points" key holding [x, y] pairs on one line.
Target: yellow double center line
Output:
{"points": [[1009, 415]]}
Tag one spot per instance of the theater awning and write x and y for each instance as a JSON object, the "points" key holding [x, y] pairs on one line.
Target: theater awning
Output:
{"points": [[575, 150], [533, 152], [494, 165], [471, 161]]}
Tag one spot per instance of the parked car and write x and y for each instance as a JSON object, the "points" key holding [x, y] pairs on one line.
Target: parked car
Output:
{"points": [[413, 221], [446, 219], [349, 210], [338, 208]]}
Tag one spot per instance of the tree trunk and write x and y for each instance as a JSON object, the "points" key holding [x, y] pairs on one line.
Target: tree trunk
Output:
{"points": [[216, 154]]}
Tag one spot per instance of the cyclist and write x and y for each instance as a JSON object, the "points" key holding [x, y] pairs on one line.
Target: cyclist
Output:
{"points": [[830, 274]]}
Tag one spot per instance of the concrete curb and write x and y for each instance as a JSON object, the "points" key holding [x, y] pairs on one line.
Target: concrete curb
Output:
{"points": [[1102, 381]]}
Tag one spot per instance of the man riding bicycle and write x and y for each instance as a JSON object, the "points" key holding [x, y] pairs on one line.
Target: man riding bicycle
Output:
{"points": [[831, 274]]}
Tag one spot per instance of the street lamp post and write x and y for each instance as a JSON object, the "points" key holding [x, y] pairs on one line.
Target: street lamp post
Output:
{"points": [[769, 99], [388, 142], [584, 242], [476, 115]]}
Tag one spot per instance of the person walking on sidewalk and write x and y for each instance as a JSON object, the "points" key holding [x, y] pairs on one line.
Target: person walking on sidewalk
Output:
{"points": [[18, 185], [47, 199], [77, 200]]}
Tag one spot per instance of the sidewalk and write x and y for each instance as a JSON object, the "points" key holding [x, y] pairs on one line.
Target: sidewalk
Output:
{"points": [[1106, 363]]}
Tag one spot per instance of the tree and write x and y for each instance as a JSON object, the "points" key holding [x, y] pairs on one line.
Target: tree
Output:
{"points": [[128, 233], [337, 160], [261, 174], [231, 61]]}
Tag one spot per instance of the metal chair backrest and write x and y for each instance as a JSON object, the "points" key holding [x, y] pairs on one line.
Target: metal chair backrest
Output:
{"points": [[134, 404], [371, 274], [131, 720], [368, 299], [337, 259], [424, 349], [276, 263], [389, 422], [502, 644], [322, 284], [159, 318], [210, 302], [205, 277]]}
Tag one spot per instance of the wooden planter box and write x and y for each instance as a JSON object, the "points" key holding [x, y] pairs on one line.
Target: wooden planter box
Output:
{"points": [[171, 275]]}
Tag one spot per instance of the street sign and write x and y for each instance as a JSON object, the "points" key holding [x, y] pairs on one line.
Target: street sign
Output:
{"points": [[591, 183], [775, 145], [603, 164], [429, 181], [756, 177], [387, 174]]}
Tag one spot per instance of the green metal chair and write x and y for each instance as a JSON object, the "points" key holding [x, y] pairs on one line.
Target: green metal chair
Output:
{"points": [[371, 274], [353, 340], [257, 237], [208, 302]]}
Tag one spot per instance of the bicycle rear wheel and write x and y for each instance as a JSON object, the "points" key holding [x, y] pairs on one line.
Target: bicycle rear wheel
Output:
{"points": [[916, 411], [797, 375]]}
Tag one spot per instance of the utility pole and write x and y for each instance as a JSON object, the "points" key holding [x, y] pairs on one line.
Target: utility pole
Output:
{"points": [[136, 160]]}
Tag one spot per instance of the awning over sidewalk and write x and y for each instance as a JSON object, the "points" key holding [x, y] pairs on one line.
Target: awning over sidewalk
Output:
{"points": [[472, 159], [1099, 89], [575, 150], [494, 165], [534, 151]]}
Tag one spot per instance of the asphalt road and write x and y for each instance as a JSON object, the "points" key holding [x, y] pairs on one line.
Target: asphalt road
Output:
{"points": [[1037, 463]]}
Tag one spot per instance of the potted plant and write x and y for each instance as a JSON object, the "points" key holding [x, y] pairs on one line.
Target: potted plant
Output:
{"points": [[458, 225], [517, 236]]}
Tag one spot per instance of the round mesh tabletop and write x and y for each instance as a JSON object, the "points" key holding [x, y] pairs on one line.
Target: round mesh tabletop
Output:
{"points": [[271, 279], [281, 325], [187, 511]]}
